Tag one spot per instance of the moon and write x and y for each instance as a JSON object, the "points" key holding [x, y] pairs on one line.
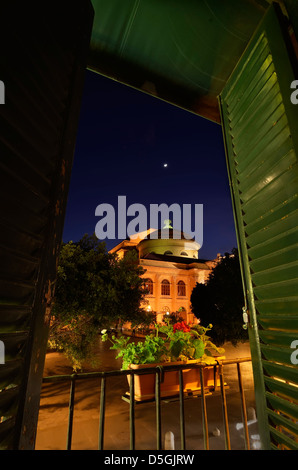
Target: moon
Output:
{"points": [[165, 165]]}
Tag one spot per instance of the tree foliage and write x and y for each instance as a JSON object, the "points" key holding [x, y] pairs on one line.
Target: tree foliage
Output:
{"points": [[172, 318], [220, 301], [94, 289]]}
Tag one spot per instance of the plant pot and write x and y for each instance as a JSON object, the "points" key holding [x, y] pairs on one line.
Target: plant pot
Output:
{"points": [[145, 383]]}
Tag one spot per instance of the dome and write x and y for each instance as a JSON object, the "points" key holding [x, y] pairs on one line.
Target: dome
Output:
{"points": [[168, 234], [168, 241]]}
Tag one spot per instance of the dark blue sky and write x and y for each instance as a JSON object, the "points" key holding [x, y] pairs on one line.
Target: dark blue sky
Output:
{"points": [[124, 138]]}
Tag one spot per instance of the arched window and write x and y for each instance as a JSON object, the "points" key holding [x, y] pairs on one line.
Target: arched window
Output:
{"points": [[181, 288], [168, 252], [183, 253], [165, 287], [166, 310], [149, 286]]}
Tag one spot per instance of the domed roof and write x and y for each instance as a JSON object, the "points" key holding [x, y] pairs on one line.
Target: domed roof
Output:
{"points": [[168, 234], [168, 241]]}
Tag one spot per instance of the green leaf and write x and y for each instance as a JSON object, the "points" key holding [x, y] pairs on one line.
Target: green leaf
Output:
{"points": [[176, 347], [199, 348], [208, 359]]}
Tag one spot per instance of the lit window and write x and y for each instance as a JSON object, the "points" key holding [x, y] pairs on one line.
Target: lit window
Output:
{"points": [[149, 286], [165, 287], [181, 288]]}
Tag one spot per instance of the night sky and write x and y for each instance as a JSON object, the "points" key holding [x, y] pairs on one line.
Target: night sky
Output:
{"points": [[124, 138]]}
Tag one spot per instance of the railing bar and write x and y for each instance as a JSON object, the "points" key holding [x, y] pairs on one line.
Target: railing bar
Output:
{"points": [[114, 373], [204, 412], [102, 413], [181, 406], [157, 405], [226, 362], [243, 408], [132, 411], [224, 408], [70, 412], [215, 377]]}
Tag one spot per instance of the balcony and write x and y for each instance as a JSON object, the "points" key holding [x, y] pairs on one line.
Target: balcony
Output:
{"points": [[94, 410]]}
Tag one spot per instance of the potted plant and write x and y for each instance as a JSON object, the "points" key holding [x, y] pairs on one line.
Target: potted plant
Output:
{"points": [[168, 345]]}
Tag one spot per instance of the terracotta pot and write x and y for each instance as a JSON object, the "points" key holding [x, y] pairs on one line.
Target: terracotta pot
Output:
{"points": [[145, 383]]}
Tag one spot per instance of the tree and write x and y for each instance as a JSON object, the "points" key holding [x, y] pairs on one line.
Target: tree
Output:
{"points": [[172, 318], [220, 301], [94, 290]]}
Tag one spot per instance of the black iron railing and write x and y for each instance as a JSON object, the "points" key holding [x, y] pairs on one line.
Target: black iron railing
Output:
{"points": [[219, 385]]}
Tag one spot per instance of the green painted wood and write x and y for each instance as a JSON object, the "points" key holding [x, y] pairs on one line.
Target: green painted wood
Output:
{"points": [[182, 52], [282, 389]]}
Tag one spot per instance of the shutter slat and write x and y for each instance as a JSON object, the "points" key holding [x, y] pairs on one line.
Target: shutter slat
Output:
{"points": [[6, 432], [277, 227], [277, 243], [270, 110], [11, 373], [276, 349], [278, 306], [286, 255], [280, 289], [255, 93], [281, 388], [8, 401], [283, 440], [282, 422], [279, 322], [285, 407], [282, 372], [255, 173], [279, 273], [280, 141], [277, 193], [14, 318], [238, 87]]}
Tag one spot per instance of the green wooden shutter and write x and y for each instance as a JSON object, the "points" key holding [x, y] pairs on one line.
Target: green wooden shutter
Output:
{"points": [[43, 56], [261, 135]]}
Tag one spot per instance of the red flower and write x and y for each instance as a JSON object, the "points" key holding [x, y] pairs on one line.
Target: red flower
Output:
{"points": [[181, 326]]}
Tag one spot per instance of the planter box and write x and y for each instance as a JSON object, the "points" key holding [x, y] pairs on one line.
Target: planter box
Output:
{"points": [[145, 383]]}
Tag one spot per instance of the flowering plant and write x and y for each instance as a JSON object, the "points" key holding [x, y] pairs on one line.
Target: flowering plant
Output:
{"points": [[181, 326], [178, 342]]}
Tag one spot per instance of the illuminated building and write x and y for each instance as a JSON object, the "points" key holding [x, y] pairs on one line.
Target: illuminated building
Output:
{"points": [[172, 269]]}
